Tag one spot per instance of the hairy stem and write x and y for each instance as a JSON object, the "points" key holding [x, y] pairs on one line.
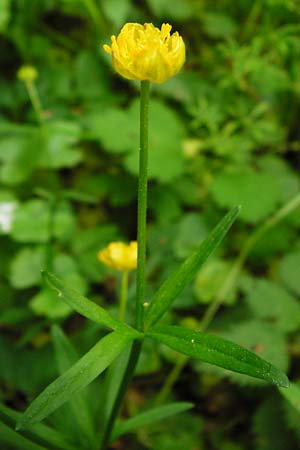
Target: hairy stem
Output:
{"points": [[142, 205], [141, 263]]}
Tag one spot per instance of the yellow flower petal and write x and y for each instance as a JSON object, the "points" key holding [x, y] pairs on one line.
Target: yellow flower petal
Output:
{"points": [[119, 256], [144, 52]]}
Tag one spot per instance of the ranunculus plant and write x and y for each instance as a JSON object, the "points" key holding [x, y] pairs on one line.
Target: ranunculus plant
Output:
{"points": [[148, 54]]}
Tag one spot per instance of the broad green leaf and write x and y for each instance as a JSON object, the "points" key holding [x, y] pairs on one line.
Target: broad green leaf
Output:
{"points": [[66, 356], [174, 285], [46, 303], [270, 301], [289, 271], [244, 188], [58, 140], [15, 440], [217, 351], [39, 431], [24, 229], [77, 377], [86, 307], [148, 417], [25, 268]]}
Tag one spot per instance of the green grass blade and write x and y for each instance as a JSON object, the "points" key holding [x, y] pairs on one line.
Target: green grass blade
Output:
{"points": [[39, 432], [219, 352], [84, 306], [173, 286], [77, 377], [148, 417], [15, 440], [66, 356]]}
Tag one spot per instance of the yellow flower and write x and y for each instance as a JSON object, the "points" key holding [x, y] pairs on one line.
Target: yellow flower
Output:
{"points": [[27, 73], [144, 52], [119, 256]]}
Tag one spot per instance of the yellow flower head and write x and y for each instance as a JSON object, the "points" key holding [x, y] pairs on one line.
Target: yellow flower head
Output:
{"points": [[119, 256], [144, 52], [27, 73]]}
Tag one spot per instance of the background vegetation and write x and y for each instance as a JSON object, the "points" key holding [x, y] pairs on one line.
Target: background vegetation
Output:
{"points": [[223, 132]]}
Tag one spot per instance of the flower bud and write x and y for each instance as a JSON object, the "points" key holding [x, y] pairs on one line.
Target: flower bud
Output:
{"points": [[27, 74], [119, 256], [146, 53]]}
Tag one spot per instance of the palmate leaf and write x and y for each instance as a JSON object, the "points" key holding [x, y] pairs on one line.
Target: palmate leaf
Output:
{"points": [[86, 307], [173, 286], [150, 416], [77, 377], [219, 352]]}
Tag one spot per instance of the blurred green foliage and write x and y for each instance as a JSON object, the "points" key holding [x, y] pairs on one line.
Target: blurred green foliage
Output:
{"points": [[223, 132]]}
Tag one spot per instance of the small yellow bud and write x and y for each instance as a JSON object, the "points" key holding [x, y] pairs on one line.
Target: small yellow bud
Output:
{"points": [[27, 73], [147, 53], [119, 256]]}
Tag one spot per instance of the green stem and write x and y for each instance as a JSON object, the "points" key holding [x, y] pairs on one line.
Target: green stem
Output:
{"points": [[141, 263], [49, 246], [252, 17], [142, 204], [96, 15], [226, 288], [35, 100], [123, 295]]}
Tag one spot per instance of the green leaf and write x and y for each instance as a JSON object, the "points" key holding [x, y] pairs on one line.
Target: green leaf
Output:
{"points": [[292, 395], [289, 271], [66, 356], [46, 303], [265, 339], [219, 352], [291, 407], [20, 155], [39, 431], [148, 417], [77, 377], [15, 440], [86, 307], [174, 285], [167, 132], [5, 14], [219, 25], [269, 428], [270, 301], [58, 139], [244, 188], [176, 10], [210, 279], [24, 229], [25, 269]]}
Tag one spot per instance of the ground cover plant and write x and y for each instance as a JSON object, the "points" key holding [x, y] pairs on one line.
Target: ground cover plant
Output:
{"points": [[222, 132]]}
